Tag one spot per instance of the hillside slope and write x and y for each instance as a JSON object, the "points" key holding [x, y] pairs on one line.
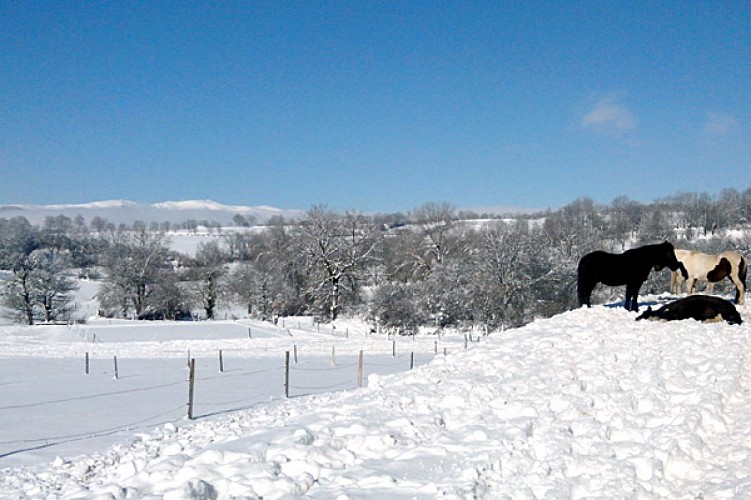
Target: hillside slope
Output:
{"points": [[589, 402]]}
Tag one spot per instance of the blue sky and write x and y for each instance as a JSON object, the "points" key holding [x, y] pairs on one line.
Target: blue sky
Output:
{"points": [[373, 106]]}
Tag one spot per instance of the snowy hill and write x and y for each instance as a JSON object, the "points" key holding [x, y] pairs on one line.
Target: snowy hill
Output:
{"points": [[124, 211], [590, 403]]}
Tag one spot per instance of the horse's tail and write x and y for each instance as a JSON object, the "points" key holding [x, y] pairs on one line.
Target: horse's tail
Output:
{"points": [[742, 270], [581, 292], [583, 282]]}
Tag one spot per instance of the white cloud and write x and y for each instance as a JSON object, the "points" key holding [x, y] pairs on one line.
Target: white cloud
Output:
{"points": [[608, 115], [721, 124]]}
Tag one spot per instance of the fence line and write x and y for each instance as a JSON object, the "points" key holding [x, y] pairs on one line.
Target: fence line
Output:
{"points": [[200, 400], [90, 396], [326, 369], [50, 440]]}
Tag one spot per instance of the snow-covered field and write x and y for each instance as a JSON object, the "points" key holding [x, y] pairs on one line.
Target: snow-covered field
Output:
{"points": [[588, 403]]}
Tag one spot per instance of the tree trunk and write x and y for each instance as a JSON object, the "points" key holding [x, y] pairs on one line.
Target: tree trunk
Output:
{"points": [[334, 297], [28, 310], [140, 298], [28, 307], [210, 297]]}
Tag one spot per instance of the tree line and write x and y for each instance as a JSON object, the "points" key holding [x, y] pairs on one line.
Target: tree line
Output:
{"points": [[434, 266]]}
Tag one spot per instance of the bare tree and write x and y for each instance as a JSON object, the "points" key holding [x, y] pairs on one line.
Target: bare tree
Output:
{"points": [[17, 293], [98, 224], [40, 286], [18, 239], [435, 222], [207, 274], [51, 282], [138, 266], [624, 219], [337, 249]]}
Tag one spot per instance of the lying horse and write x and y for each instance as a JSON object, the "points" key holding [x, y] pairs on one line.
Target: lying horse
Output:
{"points": [[711, 269], [631, 268], [698, 307]]}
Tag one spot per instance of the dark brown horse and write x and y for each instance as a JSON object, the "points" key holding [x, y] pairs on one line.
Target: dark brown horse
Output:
{"points": [[698, 307], [630, 268]]}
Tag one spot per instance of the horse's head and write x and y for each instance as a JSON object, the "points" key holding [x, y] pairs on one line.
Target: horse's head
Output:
{"points": [[666, 258], [649, 313]]}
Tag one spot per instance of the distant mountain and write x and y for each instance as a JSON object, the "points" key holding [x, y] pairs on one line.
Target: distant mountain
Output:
{"points": [[124, 211]]}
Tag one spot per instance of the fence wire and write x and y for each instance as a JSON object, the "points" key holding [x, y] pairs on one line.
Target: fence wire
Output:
{"points": [[210, 383]]}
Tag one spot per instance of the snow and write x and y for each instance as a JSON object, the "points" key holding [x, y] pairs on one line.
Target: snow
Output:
{"points": [[125, 211], [590, 403]]}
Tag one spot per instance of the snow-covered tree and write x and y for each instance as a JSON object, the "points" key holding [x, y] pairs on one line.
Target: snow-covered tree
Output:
{"points": [[337, 249], [139, 271], [52, 283], [207, 274], [394, 307]]}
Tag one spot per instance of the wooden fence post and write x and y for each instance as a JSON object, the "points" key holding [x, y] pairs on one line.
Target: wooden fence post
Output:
{"points": [[117, 375], [286, 374], [191, 386], [411, 360], [221, 362], [87, 363], [333, 356], [393, 348], [359, 370]]}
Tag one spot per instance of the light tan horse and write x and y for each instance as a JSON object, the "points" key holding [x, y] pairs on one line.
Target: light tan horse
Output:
{"points": [[711, 269]]}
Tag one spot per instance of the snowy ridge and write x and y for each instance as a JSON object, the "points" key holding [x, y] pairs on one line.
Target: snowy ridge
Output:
{"points": [[125, 211], [205, 205], [588, 403]]}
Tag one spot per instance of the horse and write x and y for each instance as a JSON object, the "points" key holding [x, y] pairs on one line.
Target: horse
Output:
{"points": [[630, 268], [699, 307], [711, 269]]}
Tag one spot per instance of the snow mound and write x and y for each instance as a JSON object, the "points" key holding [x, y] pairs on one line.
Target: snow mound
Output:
{"points": [[590, 403]]}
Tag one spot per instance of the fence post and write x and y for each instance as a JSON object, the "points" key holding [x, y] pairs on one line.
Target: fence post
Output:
{"points": [[435, 343], [191, 386], [359, 370], [333, 355], [411, 360], [286, 374], [393, 348], [87, 363], [221, 362], [117, 375], [294, 350], [250, 333]]}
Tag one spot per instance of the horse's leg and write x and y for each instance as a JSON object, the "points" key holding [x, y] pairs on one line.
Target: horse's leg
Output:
{"points": [[741, 273], [584, 292], [740, 289], [690, 286], [710, 287], [675, 284], [632, 292]]}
